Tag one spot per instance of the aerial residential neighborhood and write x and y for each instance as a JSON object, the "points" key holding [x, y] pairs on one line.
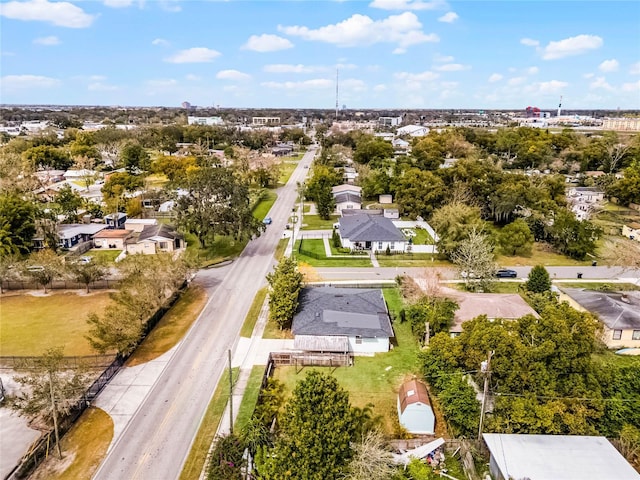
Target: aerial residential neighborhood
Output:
{"points": [[382, 240]]}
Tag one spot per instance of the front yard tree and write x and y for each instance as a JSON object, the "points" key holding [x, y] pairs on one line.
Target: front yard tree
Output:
{"points": [[539, 280], [285, 284], [51, 390], [515, 238], [118, 329], [44, 267], [317, 429], [475, 261], [17, 223], [69, 202], [319, 190], [453, 223]]}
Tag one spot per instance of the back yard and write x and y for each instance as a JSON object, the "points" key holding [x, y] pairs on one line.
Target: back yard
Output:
{"points": [[31, 324]]}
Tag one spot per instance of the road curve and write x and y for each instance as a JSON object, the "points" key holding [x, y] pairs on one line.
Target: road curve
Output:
{"points": [[156, 441]]}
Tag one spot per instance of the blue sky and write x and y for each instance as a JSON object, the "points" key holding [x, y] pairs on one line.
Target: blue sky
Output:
{"points": [[390, 53]]}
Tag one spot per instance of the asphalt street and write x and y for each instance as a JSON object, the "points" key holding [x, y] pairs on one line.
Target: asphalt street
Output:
{"points": [[389, 273], [157, 440]]}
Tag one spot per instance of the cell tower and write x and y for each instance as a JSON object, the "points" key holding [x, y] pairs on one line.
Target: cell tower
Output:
{"points": [[560, 106], [337, 71]]}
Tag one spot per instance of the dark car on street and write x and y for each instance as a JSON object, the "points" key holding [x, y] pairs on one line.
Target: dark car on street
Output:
{"points": [[506, 273]]}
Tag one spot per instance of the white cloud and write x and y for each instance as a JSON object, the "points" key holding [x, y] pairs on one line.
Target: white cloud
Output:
{"points": [[552, 86], [288, 68], [609, 65], [529, 42], [407, 4], [16, 82], [452, 67], [360, 30], [267, 43], [516, 81], [380, 88], [353, 85], [588, 75], [62, 14], [532, 70], [495, 77], [635, 69], [193, 78], [161, 42], [399, 51], [449, 17], [101, 87], [118, 3], [47, 41], [232, 75], [194, 55], [442, 58], [170, 6], [600, 82], [571, 46], [318, 83], [427, 76], [631, 87], [162, 83]]}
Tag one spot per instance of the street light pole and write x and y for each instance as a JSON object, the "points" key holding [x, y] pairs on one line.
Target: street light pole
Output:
{"points": [[485, 368]]}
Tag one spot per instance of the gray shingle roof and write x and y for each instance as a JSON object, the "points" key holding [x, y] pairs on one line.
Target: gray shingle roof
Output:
{"points": [[348, 197], [161, 230], [611, 309], [369, 228], [342, 311]]}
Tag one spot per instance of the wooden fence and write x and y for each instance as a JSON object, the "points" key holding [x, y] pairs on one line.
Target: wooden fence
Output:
{"points": [[59, 285]]}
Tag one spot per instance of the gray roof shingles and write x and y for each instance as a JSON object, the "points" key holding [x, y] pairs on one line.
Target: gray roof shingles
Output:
{"points": [[369, 228], [348, 197], [615, 312], [342, 311]]}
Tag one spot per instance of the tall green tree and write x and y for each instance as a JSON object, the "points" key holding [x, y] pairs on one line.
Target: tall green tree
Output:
{"points": [[372, 150], [134, 157], [319, 187], [44, 266], [515, 238], [88, 272], [419, 193], [69, 202], [17, 223], [285, 284], [52, 390], [453, 223], [539, 280], [316, 433]]}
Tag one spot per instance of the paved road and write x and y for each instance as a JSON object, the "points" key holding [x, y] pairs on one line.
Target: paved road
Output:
{"points": [[157, 440], [389, 273]]}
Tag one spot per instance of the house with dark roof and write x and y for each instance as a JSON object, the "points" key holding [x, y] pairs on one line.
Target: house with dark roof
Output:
{"points": [[414, 408], [371, 232], [344, 320], [347, 197], [618, 312], [153, 239]]}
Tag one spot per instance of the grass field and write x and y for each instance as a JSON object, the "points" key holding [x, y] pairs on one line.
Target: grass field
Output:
{"points": [[31, 324], [412, 260], [314, 222], [422, 237], [107, 256], [250, 398], [316, 246], [280, 249], [173, 326], [375, 379], [207, 430], [264, 205], [541, 255], [287, 166], [222, 249], [253, 313], [83, 448]]}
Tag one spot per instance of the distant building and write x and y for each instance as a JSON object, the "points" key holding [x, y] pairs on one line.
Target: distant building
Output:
{"points": [[413, 131], [389, 121], [210, 121], [265, 121], [621, 124]]}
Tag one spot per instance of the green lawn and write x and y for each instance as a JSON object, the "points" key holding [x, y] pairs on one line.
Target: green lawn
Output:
{"points": [[540, 255], [412, 260], [107, 256], [253, 313], [250, 398], [280, 249], [29, 324], [422, 237], [287, 166], [374, 379], [316, 246], [314, 222], [264, 205], [222, 249], [207, 430]]}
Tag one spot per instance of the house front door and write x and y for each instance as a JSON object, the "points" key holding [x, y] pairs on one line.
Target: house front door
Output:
{"points": [[367, 245]]}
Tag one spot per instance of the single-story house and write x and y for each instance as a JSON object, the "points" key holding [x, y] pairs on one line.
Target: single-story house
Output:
{"points": [[155, 239], [414, 408], [347, 197], [342, 320], [509, 306], [632, 231], [555, 457], [115, 220], [72, 234], [138, 224], [585, 195], [619, 312], [370, 232], [349, 175], [109, 239]]}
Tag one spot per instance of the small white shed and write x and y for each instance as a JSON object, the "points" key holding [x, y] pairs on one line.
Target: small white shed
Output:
{"points": [[414, 408]]}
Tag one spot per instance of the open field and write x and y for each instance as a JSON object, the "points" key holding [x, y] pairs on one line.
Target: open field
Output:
{"points": [[173, 326], [314, 222], [287, 166], [541, 254], [207, 431], [31, 324], [83, 448], [264, 205], [223, 248], [375, 379]]}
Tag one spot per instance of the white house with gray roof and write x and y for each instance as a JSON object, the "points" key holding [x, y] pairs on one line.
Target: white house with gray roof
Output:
{"points": [[370, 232], [342, 320]]}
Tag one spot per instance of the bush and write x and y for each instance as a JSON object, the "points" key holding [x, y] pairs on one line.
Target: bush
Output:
{"points": [[335, 238], [539, 280]]}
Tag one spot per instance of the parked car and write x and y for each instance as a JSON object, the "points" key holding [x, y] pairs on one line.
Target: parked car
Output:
{"points": [[267, 221], [506, 273]]}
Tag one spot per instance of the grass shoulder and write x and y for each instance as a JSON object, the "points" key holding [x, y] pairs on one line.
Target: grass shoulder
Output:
{"points": [[253, 313]]}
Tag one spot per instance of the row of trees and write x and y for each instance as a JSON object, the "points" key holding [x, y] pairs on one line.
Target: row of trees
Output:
{"points": [[285, 284]]}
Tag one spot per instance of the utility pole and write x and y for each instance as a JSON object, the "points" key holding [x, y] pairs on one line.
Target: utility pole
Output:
{"points": [[230, 395], [485, 368]]}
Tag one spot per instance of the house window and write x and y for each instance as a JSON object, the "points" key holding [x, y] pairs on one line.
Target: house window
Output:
{"points": [[358, 340], [379, 245], [163, 245], [617, 334], [636, 335]]}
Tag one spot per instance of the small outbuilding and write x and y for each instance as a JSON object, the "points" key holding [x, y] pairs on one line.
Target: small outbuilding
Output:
{"points": [[414, 408]]}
